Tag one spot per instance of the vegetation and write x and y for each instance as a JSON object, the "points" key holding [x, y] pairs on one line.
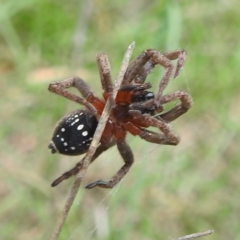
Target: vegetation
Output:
{"points": [[170, 191]]}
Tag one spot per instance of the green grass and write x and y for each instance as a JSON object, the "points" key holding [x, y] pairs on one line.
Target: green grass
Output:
{"points": [[170, 191]]}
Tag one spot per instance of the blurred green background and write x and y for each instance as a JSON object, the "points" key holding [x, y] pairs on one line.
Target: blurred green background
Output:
{"points": [[170, 191]]}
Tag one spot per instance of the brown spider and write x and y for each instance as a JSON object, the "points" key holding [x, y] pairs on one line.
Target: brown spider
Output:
{"points": [[134, 110]]}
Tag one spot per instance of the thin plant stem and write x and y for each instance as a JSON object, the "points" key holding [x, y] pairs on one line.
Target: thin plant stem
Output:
{"points": [[94, 144], [195, 235]]}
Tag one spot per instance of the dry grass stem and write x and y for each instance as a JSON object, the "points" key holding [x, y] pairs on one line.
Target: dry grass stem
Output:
{"points": [[97, 136], [195, 235]]}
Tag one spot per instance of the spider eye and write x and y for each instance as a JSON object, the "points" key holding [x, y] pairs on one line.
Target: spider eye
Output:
{"points": [[144, 96], [149, 96]]}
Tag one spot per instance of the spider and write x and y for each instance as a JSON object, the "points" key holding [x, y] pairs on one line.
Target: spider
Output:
{"points": [[134, 110]]}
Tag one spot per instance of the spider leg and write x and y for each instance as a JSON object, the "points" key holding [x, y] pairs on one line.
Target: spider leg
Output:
{"points": [[145, 62], [105, 76], [157, 138], [161, 59], [128, 158], [60, 89], [178, 110], [165, 61], [135, 87], [167, 137], [181, 55], [68, 174], [135, 67], [101, 148], [143, 72]]}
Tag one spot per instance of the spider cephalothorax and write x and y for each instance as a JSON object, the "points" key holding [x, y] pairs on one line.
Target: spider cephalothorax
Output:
{"points": [[134, 110]]}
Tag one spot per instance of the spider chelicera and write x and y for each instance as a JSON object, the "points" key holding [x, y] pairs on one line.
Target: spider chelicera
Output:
{"points": [[134, 110]]}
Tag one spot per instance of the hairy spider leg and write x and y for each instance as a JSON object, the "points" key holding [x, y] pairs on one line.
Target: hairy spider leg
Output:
{"points": [[145, 62], [60, 89], [127, 155], [167, 137], [178, 110], [180, 55], [105, 76], [135, 67], [100, 149]]}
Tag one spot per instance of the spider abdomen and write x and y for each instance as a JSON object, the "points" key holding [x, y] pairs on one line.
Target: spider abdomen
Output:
{"points": [[73, 133]]}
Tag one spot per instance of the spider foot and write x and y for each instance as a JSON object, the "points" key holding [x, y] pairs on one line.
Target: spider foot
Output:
{"points": [[100, 183], [57, 181], [68, 174]]}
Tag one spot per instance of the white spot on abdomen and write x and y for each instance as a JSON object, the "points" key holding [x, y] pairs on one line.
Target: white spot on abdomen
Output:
{"points": [[85, 133], [80, 127]]}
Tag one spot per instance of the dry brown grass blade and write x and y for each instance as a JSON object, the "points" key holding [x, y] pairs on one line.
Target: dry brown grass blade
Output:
{"points": [[101, 125], [195, 235]]}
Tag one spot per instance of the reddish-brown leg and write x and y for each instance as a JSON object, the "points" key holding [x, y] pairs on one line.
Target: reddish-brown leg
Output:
{"points": [[128, 158]]}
